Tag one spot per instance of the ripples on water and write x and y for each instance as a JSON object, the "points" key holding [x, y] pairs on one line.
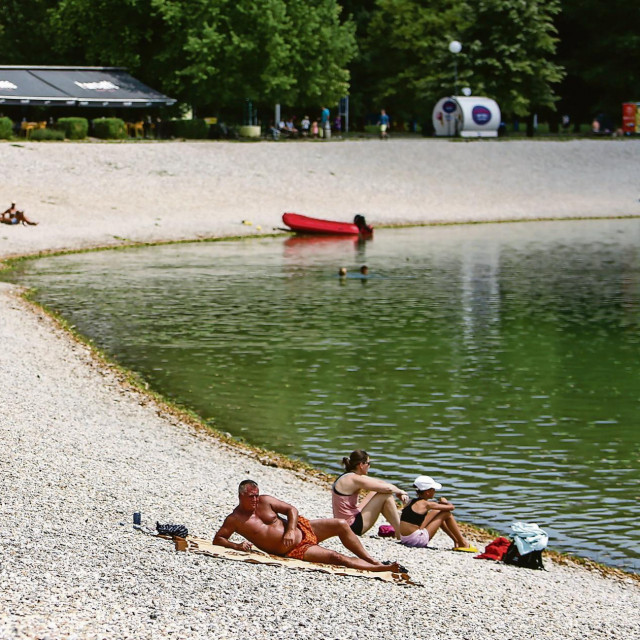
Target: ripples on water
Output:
{"points": [[501, 359]]}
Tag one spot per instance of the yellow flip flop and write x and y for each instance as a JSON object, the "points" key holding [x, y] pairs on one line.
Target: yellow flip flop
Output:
{"points": [[470, 549]]}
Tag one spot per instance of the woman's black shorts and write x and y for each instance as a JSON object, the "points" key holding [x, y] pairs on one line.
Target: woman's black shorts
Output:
{"points": [[357, 525]]}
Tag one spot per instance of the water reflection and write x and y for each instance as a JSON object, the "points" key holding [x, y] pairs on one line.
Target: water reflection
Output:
{"points": [[501, 359]]}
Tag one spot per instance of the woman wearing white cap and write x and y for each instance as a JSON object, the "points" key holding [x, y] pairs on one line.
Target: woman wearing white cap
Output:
{"points": [[423, 516], [344, 494]]}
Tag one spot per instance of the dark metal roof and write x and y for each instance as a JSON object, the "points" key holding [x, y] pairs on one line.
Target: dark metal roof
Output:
{"points": [[76, 86]]}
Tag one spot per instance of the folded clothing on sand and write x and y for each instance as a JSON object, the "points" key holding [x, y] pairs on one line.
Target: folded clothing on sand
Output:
{"points": [[495, 550], [529, 537]]}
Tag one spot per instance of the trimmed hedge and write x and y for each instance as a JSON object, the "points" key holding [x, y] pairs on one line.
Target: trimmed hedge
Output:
{"points": [[73, 128], [46, 134], [109, 128], [6, 128], [193, 129]]}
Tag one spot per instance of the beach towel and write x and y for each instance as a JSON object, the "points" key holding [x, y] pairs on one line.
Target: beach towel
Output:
{"points": [[204, 547]]}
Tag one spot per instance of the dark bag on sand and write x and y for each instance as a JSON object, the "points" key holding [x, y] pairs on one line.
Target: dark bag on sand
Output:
{"points": [[531, 560], [173, 530]]}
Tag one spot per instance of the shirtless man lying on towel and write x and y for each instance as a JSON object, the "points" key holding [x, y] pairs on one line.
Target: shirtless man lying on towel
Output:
{"points": [[258, 518]]}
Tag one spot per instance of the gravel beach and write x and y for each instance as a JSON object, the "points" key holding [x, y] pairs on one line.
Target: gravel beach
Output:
{"points": [[80, 450]]}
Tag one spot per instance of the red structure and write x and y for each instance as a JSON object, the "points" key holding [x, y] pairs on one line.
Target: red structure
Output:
{"points": [[631, 117]]}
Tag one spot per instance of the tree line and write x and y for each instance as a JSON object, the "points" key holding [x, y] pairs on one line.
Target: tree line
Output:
{"points": [[532, 56]]}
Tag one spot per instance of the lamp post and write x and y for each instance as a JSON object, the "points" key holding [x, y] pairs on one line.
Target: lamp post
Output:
{"points": [[455, 47]]}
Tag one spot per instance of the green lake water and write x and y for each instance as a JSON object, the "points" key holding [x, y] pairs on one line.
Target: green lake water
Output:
{"points": [[501, 359]]}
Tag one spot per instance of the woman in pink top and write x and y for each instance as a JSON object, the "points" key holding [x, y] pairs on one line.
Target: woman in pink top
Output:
{"points": [[345, 490]]}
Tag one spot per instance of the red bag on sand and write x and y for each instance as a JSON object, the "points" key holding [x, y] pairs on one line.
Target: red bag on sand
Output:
{"points": [[386, 531], [495, 550]]}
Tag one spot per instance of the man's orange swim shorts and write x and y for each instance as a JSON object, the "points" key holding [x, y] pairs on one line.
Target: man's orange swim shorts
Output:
{"points": [[309, 539]]}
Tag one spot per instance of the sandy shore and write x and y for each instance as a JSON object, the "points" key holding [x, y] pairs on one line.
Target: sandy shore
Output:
{"points": [[80, 451], [96, 194]]}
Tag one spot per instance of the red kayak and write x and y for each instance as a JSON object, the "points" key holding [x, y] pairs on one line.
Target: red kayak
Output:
{"points": [[305, 224]]}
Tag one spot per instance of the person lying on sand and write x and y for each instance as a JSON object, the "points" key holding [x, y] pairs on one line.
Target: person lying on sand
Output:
{"points": [[422, 517], [258, 518], [13, 216]]}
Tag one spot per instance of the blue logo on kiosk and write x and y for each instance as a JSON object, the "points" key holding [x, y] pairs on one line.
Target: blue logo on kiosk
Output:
{"points": [[480, 115], [449, 106]]}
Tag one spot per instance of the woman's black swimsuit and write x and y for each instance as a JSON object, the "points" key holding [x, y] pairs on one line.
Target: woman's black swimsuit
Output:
{"points": [[357, 525], [410, 516]]}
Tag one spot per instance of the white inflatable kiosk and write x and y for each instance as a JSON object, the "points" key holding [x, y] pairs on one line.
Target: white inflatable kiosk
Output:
{"points": [[469, 117]]}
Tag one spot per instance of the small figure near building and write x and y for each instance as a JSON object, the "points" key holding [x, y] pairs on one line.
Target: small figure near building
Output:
{"points": [[305, 125], [325, 123], [337, 125], [383, 123]]}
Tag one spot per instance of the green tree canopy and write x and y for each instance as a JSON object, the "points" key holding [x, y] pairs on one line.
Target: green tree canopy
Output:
{"points": [[272, 51], [508, 48], [511, 51], [393, 53], [407, 48], [25, 34], [105, 33], [600, 48], [203, 52]]}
